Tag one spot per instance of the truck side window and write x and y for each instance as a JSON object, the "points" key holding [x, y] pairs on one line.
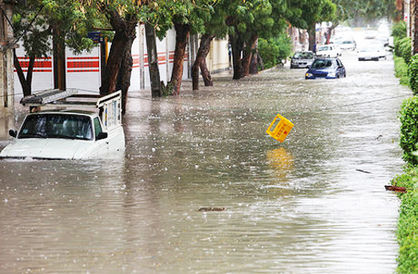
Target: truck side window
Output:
{"points": [[97, 127]]}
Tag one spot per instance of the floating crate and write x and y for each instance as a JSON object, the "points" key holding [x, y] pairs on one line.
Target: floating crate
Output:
{"points": [[281, 128]]}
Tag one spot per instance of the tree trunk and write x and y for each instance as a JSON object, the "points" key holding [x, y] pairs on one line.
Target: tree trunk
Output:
{"points": [[200, 62], [25, 82], [260, 61], [236, 46], [415, 33], [312, 38], [248, 54], [207, 78], [154, 72], [329, 32], [59, 60], [113, 64], [182, 34], [125, 33], [254, 63], [125, 71]]}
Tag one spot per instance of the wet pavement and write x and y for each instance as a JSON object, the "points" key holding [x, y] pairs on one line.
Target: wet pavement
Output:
{"points": [[313, 204]]}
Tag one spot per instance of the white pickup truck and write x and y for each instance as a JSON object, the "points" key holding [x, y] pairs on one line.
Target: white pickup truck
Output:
{"points": [[330, 50], [68, 125]]}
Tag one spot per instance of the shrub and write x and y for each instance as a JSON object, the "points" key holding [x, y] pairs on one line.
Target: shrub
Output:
{"points": [[408, 244], [409, 129], [403, 48], [273, 50], [413, 74], [399, 30]]}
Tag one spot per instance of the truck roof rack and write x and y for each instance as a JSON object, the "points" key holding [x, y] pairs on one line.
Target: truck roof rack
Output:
{"points": [[108, 106]]}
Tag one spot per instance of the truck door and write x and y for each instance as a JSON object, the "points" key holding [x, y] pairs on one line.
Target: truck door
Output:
{"points": [[102, 145]]}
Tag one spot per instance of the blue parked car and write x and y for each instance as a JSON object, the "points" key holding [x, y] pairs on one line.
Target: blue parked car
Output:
{"points": [[328, 68]]}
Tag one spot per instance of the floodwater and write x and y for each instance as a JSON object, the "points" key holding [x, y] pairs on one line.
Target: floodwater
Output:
{"points": [[313, 204]]}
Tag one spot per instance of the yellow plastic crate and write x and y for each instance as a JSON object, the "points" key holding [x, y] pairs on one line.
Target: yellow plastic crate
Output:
{"points": [[281, 128]]}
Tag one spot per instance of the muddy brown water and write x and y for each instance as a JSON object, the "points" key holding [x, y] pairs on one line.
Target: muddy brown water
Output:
{"points": [[303, 206]]}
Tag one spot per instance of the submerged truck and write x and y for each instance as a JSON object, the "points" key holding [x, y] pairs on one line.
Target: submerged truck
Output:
{"points": [[68, 125]]}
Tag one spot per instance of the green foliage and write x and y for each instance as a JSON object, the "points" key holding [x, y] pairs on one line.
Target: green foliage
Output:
{"points": [[273, 50], [402, 47], [402, 43], [413, 74], [401, 70], [34, 21], [164, 14], [316, 11], [407, 223], [409, 129], [399, 30]]}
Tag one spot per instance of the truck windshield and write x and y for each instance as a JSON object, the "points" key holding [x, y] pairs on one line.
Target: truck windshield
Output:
{"points": [[65, 126]]}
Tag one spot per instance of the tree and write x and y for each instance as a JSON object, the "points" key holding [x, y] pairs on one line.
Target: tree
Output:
{"points": [[250, 20], [36, 23], [188, 17], [214, 26], [316, 11], [123, 16]]}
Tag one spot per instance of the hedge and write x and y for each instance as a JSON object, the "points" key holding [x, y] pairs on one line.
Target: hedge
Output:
{"points": [[407, 223], [413, 74], [399, 30], [409, 129], [403, 48]]}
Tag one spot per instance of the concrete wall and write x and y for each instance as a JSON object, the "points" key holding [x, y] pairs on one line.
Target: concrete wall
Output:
{"points": [[84, 70], [218, 57]]}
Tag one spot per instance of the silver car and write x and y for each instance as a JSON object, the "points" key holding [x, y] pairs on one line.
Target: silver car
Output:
{"points": [[302, 59]]}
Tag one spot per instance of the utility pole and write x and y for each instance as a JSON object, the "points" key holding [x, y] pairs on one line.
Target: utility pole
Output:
{"points": [[6, 55]]}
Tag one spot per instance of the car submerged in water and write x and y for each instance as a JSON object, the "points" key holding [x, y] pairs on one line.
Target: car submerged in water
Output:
{"points": [[302, 59], [328, 68], [371, 53], [68, 129]]}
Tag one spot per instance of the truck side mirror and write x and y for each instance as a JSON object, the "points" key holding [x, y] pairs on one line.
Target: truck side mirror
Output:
{"points": [[13, 133], [101, 135]]}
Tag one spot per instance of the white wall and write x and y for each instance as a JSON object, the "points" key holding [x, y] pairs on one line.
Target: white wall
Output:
{"points": [[84, 70]]}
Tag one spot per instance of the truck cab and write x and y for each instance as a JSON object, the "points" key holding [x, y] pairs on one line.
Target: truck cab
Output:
{"points": [[68, 126]]}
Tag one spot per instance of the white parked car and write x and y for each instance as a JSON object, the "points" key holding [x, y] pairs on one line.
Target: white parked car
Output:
{"points": [[68, 129], [371, 53], [347, 45], [302, 59], [328, 51]]}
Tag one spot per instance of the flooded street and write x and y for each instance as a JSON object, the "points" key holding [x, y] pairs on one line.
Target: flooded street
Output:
{"points": [[313, 204]]}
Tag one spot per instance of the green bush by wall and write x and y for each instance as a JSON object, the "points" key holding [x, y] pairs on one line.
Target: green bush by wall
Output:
{"points": [[403, 48], [413, 74], [399, 30], [407, 223], [274, 50], [409, 129]]}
